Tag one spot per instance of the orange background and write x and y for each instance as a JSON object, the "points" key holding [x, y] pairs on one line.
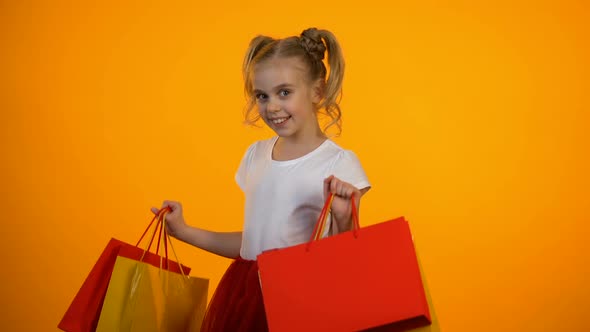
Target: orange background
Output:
{"points": [[471, 120]]}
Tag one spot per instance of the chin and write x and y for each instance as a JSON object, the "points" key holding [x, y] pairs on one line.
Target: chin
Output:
{"points": [[282, 133]]}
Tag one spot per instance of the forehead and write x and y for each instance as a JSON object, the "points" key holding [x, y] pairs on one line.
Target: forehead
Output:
{"points": [[273, 72]]}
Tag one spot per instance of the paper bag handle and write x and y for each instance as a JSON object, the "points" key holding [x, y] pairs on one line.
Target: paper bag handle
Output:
{"points": [[157, 230], [321, 223], [163, 237], [166, 238], [156, 217]]}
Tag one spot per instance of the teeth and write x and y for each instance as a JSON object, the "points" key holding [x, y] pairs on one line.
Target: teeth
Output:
{"points": [[278, 121]]}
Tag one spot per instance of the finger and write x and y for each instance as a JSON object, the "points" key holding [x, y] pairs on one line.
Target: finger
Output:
{"points": [[171, 205], [334, 186], [155, 210], [158, 211], [349, 192], [327, 184], [341, 190]]}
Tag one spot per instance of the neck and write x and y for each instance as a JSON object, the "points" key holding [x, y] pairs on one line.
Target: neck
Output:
{"points": [[311, 138], [296, 146]]}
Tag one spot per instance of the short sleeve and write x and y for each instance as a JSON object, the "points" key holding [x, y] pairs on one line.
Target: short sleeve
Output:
{"points": [[242, 172], [348, 168]]}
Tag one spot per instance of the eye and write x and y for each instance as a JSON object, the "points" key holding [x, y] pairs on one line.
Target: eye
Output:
{"points": [[284, 93], [261, 96]]}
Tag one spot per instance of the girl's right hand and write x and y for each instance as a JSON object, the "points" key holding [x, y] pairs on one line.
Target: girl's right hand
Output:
{"points": [[175, 223]]}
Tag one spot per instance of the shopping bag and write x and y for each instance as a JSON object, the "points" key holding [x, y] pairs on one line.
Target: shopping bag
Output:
{"points": [[434, 326], [83, 312], [141, 297], [365, 278], [144, 298]]}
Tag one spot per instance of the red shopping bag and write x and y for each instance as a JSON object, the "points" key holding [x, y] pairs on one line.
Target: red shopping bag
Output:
{"points": [[363, 279], [84, 311]]}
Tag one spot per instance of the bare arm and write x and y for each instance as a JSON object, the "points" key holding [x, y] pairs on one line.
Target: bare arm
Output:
{"points": [[226, 244]]}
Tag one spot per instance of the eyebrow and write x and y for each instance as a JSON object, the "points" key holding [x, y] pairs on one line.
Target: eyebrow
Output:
{"points": [[278, 87]]}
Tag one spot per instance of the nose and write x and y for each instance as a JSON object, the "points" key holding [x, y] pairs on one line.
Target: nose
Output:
{"points": [[273, 107]]}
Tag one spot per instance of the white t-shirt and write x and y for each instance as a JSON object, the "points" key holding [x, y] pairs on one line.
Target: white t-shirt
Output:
{"points": [[284, 198]]}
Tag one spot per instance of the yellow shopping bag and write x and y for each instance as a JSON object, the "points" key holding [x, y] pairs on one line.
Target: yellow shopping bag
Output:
{"points": [[144, 298], [434, 326]]}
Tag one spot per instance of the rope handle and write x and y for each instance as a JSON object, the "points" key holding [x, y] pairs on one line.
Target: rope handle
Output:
{"points": [[166, 238], [156, 217], [322, 219], [157, 229]]}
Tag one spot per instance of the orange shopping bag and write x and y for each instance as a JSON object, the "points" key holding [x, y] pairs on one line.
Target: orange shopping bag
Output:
{"points": [[363, 279]]}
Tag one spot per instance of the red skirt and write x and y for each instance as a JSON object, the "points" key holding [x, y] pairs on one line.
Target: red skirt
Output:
{"points": [[237, 302]]}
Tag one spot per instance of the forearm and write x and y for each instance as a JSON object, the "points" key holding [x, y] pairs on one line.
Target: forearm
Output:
{"points": [[226, 244]]}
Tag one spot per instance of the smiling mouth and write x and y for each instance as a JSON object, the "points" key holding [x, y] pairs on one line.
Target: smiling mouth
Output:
{"points": [[280, 120]]}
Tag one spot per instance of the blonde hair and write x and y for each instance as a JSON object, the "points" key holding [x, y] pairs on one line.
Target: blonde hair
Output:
{"points": [[310, 47]]}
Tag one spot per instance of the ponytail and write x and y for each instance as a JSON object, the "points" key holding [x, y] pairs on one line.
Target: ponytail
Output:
{"points": [[315, 42]]}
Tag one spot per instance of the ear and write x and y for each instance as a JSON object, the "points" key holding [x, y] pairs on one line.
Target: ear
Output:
{"points": [[317, 91]]}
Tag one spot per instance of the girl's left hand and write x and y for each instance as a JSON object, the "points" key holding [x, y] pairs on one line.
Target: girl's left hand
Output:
{"points": [[341, 205]]}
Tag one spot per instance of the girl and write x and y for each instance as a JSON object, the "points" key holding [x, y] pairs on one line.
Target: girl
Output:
{"points": [[285, 178]]}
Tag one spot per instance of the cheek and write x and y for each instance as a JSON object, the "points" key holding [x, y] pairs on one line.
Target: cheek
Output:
{"points": [[303, 107], [297, 104], [259, 108]]}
